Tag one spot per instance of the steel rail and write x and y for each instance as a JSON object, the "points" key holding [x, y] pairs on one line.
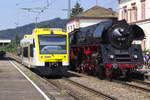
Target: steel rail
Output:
{"points": [[53, 83], [19, 61], [142, 82], [91, 90], [131, 85]]}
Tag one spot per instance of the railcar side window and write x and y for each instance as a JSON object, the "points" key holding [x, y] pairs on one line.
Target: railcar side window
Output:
{"points": [[25, 51], [31, 50], [33, 44]]}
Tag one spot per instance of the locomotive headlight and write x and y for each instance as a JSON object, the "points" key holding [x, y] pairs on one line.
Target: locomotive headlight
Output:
{"points": [[115, 66], [111, 56], [135, 56]]}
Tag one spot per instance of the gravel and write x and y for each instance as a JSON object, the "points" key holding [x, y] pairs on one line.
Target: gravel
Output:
{"points": [[110, 88]]}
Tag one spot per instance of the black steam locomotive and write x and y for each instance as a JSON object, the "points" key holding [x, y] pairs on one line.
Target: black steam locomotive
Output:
{"points": [[106, 49]]}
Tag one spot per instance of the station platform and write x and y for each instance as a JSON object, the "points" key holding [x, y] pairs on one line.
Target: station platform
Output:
{"points": [[14, 86]]}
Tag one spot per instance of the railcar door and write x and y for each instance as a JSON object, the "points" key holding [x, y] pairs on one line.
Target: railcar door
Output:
{"points": [[29, 65]]}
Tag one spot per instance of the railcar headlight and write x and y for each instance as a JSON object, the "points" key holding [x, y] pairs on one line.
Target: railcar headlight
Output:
{"points": [[41, 57], [135, 56], [111, 56]]}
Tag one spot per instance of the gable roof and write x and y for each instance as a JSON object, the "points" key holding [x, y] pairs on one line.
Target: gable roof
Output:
{"points": [[98, 11]]}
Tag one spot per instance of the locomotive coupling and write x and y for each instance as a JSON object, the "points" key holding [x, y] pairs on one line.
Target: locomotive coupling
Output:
{"points": [[115, 66]]}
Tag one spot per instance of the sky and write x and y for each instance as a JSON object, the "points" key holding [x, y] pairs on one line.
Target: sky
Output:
{"points": [[12, 15]]}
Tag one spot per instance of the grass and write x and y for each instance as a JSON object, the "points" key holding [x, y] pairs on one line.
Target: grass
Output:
{"points": [[33, 78], [63, 93]]}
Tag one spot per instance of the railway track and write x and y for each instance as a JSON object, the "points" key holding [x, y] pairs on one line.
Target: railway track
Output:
{"points": [[91, 90], [142, 82], [74, 83], [54, 83], [83, 87], [133, 85], [97, 93]]}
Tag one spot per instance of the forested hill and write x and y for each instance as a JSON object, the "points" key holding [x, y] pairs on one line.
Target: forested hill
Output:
{"points": [[27, 29]]}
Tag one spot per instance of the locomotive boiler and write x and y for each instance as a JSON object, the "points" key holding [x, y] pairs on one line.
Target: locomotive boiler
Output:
{"points": [[106, 49]]}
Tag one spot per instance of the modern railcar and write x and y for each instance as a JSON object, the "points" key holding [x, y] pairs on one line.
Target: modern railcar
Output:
{"points": [[106, 49], [46, 50]]}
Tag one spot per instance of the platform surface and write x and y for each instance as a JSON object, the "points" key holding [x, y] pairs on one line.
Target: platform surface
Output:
{"points": [[14, 86]]}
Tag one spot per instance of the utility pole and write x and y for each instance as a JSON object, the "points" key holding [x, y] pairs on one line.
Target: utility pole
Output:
{"points": [[69, 8], [38, 11], [96, 2]]}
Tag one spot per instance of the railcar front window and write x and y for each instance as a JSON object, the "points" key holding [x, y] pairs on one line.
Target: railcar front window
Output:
{"points": [[52, 44]]}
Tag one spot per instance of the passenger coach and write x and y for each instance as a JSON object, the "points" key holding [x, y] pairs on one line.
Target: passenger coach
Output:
{"points": [[46, 50]]}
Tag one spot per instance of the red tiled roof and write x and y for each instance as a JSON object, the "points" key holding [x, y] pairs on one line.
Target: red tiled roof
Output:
{"points": [[96, 12]]}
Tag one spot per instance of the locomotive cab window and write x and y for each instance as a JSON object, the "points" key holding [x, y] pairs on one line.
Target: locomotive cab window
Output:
{"points": [[55, 44]]}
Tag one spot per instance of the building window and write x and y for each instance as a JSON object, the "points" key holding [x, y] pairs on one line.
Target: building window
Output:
{"points": [[71, 27], [125, 13], [122, 14], [142, 9], [133, 13]]}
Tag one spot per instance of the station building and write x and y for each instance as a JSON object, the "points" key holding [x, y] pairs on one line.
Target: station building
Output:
{"points": [[91, 16], [137, 12], [4, 42]]}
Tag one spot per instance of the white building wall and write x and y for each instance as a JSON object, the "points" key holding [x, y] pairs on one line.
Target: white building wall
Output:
{"points": [[5, 41], [70, 26], [86, 22], [147, 9], [146, 27], [82, 23]]}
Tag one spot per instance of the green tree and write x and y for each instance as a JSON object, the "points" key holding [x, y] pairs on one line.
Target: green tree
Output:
{"points": [[76, 10], [16, 40], [45, 26]]}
